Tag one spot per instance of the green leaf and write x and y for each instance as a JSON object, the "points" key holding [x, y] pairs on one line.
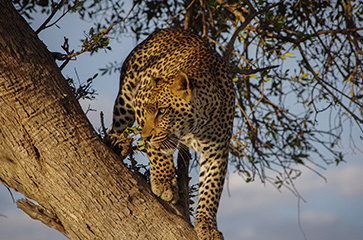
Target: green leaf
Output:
{"points": [[289, 54], [91, 31], [304, 75]]}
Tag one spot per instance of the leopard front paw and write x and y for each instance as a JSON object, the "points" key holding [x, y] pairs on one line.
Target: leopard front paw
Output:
{"points": [[206, 230], [167, 190], [121, 145]]}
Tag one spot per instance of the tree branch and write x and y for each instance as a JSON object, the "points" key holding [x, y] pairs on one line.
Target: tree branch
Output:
{"points": [[185, 9], [235, 69], [93, 41], [54, 11], [251, 14], [38, 213], [236, 9]]}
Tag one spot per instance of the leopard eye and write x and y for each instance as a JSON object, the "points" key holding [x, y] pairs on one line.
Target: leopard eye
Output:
{"points": [[162, 110]]}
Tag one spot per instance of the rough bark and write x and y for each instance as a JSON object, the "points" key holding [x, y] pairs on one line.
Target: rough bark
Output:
{"points": [[51, 154]]}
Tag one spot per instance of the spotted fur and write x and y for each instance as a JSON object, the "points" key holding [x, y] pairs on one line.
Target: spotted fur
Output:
{"points": [[180, 92]]}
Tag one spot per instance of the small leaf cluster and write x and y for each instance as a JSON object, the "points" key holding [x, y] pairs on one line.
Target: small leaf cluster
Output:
{"points": [[83, 90], [95, 41]]}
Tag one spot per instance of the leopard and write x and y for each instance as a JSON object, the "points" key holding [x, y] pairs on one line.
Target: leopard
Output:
{"points": [[181, 93]]}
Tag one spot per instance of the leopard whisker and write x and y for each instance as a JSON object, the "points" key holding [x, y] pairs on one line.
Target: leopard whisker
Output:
{"points": [[171, 143], [184, 152]]}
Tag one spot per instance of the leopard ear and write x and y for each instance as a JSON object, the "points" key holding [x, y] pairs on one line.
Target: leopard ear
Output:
{"points": [[182, 87], [152, 82]]}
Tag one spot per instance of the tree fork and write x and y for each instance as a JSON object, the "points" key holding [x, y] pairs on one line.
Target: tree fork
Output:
{"points": [[50, 152]]}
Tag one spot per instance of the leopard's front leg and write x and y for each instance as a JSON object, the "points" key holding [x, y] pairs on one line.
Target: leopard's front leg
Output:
{"points": [[213, 167], [162, 173]]}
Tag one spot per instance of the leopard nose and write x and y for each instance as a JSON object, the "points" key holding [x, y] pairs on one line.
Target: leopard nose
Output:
{"points": [[147, 133], [147, 138]]}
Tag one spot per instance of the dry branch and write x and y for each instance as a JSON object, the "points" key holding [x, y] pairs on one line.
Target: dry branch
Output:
{"points": [[38, 213]]}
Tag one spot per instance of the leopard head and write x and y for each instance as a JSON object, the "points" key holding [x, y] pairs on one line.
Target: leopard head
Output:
{"points": [[168, 113]]}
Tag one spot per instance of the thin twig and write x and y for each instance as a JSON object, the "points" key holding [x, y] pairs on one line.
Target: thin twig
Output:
{"points": [[245, 115], [230, 44], [185, 9], [238, 151], [123, 20], [258, 102], [103, 124], [55, 10], [303, 39], [11, 194], [234, 53], [252, 14], [55, 22], [235, 69], [202, 4]]}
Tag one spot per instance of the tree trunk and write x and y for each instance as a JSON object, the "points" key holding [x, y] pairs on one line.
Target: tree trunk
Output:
{"points": [[50, 152]]}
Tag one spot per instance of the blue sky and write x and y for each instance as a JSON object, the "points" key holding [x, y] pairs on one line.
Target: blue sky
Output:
{"points": [[333, 208]]}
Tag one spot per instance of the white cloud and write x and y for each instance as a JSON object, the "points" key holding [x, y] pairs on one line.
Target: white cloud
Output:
{"points": [[255, 211], [318, 218], [347, 182], [251, 197]]}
